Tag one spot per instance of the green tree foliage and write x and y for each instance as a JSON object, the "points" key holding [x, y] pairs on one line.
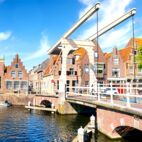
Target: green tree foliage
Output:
{"points": [[139, 57]]}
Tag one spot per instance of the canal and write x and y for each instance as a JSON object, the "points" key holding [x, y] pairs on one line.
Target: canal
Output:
{"points": [[18, 125]]}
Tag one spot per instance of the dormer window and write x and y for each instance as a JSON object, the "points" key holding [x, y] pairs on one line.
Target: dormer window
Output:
{"points": [[16, 66]]}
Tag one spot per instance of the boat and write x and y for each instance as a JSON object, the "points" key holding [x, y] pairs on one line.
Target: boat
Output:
{"points": [[5, 104]]}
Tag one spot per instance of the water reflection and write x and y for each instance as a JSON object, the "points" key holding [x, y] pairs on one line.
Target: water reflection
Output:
{"points": [[17, 124]]}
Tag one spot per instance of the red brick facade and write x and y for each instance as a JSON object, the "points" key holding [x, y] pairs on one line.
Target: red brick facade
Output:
{"points": [[109, 120], [16, 77], [1, 75]]}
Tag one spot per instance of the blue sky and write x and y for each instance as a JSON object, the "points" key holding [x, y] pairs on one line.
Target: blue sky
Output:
{"points": [[31, 27]]}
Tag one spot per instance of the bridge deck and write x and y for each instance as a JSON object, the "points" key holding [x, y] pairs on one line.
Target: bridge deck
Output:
{"points": [[91, 101]]}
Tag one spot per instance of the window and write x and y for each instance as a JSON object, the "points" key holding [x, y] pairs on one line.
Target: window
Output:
{"points": [[57, 84], [100, 68], [69, 61], [74, 83], [131, 69], [20, 74], [24, 85], [16, 85], [13, 74], [59, 72], [73, 61], [71, 71], [68, 83], [16, 66], [86, 83], [139, 70], [115, 72], [8, 85], [99, 71], [115, 61]]}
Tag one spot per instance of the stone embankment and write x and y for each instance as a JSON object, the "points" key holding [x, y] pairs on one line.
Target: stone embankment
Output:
{"points": [[17, 99]]}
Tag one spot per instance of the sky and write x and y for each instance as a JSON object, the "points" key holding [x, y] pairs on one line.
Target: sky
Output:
{"points": [[31, 27]]}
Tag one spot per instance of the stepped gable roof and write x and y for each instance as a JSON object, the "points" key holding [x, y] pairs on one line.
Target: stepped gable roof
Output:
{"points": [[16, 59]]}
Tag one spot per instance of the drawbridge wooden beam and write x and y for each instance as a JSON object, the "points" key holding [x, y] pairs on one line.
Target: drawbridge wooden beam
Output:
{"points": [[113, 24], [79, 22]]}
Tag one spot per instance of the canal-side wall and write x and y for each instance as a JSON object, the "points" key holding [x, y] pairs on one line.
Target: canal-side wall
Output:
{"points": [[23, 99], [53, 99], [17, 99]]}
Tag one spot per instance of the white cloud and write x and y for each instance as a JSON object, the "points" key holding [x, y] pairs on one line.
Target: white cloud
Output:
{"points": [[5, 35], [41, 51], [109, 10], [117, 37]]}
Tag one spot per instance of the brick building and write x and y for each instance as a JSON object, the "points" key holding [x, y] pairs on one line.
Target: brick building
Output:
{"points": [[121, 66], [115, 67], [36, 76], [76, 74], [16, 77], [1, 75]]}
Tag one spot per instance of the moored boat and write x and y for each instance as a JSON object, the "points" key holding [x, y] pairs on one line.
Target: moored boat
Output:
{"points": [[5, 104]]}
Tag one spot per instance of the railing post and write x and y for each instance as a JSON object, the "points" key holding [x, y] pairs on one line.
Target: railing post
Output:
{"points": [[111, 94], [127, 95], [80, 134], [88, 90], [131, 86]]}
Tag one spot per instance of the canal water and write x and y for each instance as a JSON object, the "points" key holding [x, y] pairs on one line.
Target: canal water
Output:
{"points": [[19, 125]]}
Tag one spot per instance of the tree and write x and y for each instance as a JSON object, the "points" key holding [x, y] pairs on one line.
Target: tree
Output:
{"points": [[139, 57]]}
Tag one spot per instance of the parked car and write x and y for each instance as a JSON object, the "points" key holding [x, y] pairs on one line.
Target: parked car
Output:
{"points": [[109, 91]]}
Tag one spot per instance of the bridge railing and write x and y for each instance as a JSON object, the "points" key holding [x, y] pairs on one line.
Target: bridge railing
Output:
{"points": [[126, 95]]}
